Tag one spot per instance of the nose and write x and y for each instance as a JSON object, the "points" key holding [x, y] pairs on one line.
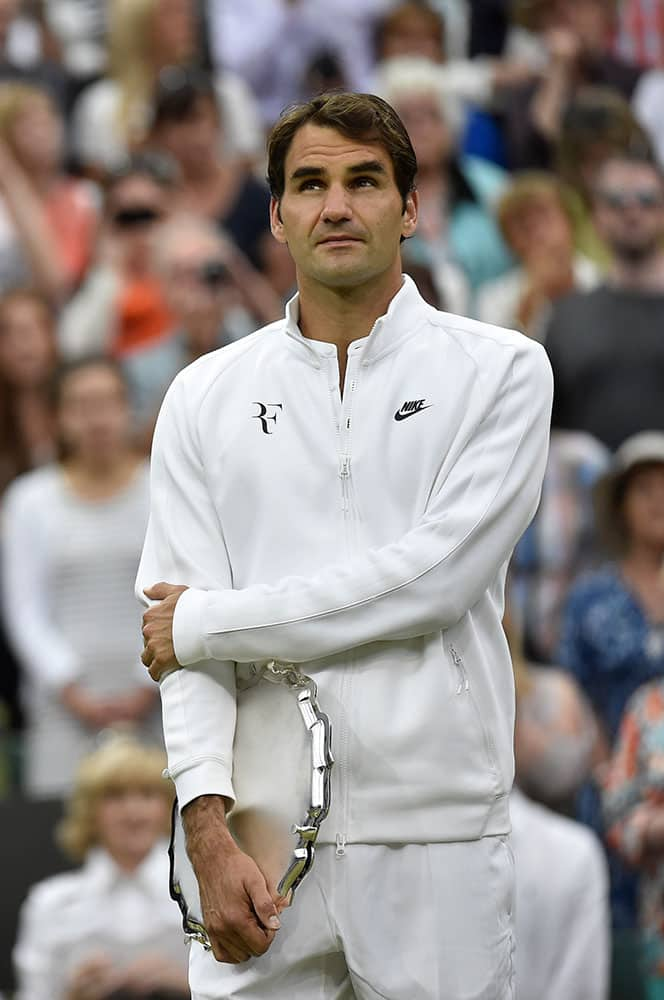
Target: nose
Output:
{"points": [[337, 205]]}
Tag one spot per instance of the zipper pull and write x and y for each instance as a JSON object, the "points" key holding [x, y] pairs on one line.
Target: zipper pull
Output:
{"points": [[344, 466], [464, 683], [340, 849]]}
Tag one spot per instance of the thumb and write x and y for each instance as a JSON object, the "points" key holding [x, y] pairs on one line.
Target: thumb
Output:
{"points": [[262, 902], [158, 591]]}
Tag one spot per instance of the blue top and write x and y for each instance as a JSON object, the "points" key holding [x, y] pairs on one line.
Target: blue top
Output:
{"points": [[609, 644]]}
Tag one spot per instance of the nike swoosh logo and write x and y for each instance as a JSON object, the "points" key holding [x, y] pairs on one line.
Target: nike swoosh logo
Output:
{"points": [[411, 413]]}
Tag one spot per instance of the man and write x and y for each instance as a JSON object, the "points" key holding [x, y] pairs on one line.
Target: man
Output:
{"points": [[343, 490], [562, 923], [605, 346]]}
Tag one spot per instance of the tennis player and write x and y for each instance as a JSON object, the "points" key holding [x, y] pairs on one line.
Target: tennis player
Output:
{"points": [[343, 490]]}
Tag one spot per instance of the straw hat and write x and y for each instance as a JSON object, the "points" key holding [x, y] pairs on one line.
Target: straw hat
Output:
{"points": [[645, 448]]}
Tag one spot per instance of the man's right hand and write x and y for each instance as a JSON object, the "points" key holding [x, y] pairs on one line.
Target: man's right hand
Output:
{"points": [[239, 913]]}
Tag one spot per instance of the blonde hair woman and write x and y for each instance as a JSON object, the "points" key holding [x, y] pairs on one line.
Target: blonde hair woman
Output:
{"points": [[107, 929], [112, 116]]}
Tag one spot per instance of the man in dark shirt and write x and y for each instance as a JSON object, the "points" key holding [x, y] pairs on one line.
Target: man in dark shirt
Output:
{"points": [[607, 346]]}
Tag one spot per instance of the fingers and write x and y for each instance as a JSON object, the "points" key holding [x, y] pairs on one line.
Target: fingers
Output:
{"points": [[158, 591], [262, 902]]}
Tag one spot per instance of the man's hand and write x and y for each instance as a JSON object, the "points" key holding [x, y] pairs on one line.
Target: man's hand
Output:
{"points": [[159, 653], [239, 913], [94, 979]]}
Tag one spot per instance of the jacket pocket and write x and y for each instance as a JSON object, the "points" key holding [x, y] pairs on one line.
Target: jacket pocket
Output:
{"points": [[471, 743]]}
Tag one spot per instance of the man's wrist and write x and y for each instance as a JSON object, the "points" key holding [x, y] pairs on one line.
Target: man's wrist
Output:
{"points": [[204, 821]]}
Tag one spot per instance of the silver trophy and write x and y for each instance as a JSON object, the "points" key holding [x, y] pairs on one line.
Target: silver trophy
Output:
{"points": [[282, 762]]}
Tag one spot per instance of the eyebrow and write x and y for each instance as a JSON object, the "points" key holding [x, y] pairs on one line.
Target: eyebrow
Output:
{"points": [[366, 167]]}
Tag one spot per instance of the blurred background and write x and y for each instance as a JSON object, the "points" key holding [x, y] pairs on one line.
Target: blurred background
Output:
{"points": [[134, 238]]}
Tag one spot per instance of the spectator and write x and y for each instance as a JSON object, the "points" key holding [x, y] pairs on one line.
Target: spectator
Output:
{"points": [[562, 923], [457, 237], [26, 50], [72, 537], [112, 116], [121, 306], [605, 345], [536, 225], [634, 805], [210, 299], [47, 220], [187, 126], [574, 34], [285, 38], [107, 930], [560, 543], [597, 125]]}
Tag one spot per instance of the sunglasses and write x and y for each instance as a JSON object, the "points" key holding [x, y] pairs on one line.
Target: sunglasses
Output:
{"points": [[645, 198], [138, 215]]}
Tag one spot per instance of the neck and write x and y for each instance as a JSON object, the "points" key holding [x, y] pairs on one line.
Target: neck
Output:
{"points": [[646, 275], [341, 315], [101, 474]]}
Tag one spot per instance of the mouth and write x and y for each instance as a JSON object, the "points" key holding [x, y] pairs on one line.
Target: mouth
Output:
{"points": [[339, 240]]}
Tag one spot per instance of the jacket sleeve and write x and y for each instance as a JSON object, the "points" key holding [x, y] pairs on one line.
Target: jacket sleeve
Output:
{"points": [[184, 543], [426, 580]]}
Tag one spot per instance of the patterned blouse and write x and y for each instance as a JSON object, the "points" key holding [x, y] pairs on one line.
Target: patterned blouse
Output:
{"points": [[634, 789]]}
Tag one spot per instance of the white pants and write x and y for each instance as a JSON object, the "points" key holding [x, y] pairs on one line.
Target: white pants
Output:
{"points": [[412, 922]]}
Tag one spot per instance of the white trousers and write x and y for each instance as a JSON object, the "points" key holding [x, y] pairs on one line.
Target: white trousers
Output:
{"points": [[411, 922]]}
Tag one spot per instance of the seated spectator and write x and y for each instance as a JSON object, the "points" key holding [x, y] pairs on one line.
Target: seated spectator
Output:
{"points": [[559, 544], [575, 38], [111, 118], [598, 124], [72, 536], [634, 805], [121, 305], [186, 125], [107, 930], [457, 237], [535, 222], [48, 221], [272, 45], [605, 346], [562, 922], [212, 300]]}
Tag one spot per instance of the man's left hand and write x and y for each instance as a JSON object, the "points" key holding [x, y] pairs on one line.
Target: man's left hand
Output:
{"points": [[159, 652]]}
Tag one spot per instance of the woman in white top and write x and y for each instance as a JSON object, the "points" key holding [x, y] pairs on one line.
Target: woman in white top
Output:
{"points": [[72, 535], [107, 929], [112, 115]]}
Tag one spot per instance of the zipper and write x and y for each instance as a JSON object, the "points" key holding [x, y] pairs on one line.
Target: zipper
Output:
{"points": [[464, 683], [340, 848]]}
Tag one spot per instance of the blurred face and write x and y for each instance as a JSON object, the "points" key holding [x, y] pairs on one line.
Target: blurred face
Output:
{"points": [[341, 214], [589, 20], [196, 141], [541, 227], [37, 136], [93, 414], [429, 133], [198, 286], [173, 33], [416, 33], [27, 344], [629, 209], [643, 506], [129, 822], [135, 205]]}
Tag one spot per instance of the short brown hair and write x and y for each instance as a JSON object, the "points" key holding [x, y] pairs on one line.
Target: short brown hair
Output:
{"points": [[526, 188], [355, 116]]}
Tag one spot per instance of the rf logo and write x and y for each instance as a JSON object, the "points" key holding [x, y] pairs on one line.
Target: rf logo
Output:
{"points": [[267, 414]]}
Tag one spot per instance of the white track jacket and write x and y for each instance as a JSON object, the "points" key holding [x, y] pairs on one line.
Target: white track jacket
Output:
{"points": [[365, 536]]}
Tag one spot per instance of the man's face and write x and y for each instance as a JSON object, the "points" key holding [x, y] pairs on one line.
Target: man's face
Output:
{"points": [[341, 213], [629, 209]]}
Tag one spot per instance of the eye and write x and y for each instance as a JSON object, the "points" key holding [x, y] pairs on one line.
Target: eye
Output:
{"points": [[311, 184], [364, 182]]}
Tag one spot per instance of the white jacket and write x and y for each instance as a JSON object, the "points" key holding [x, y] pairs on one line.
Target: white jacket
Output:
{"points": [[364, 537]]}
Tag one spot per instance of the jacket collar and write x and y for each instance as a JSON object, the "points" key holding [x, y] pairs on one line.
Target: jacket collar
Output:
{"points": [[404, 315], [101, 871]]}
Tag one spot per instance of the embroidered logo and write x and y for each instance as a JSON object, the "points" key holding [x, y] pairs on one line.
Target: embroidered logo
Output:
{"points": [[410, 408], [267, 414]]}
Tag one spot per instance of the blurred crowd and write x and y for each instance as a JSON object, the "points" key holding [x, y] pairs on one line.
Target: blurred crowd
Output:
{"points": [[134, 238]]}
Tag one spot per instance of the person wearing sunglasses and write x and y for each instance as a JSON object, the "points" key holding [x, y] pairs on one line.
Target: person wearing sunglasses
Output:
{"points": [[605, 345], [121, 307]]}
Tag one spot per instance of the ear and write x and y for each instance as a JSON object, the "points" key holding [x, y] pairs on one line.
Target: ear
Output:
{"points": [[276, 224], [409, 223]]}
